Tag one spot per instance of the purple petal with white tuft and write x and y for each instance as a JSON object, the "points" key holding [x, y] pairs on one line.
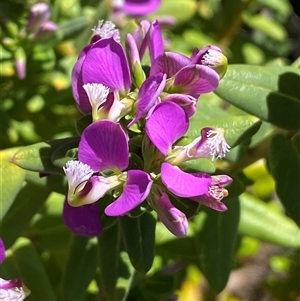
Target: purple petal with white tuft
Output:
{"points": [[106, 63]]}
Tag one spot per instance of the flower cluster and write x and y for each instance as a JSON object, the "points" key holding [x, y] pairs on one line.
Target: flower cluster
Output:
{"points": [[130, 149]]}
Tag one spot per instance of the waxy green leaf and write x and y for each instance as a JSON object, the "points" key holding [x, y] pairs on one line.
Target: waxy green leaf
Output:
{"points": [[80, 269], [24, 262], [28, 202], [138, 236], [38, 157], [217, 243], [11, 180], [284, 164], [261, 221], [267, 92], [109, 260]]}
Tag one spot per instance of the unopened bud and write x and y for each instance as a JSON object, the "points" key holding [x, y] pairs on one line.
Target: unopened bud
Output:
{"points": [[46, 31], [39, 13]]}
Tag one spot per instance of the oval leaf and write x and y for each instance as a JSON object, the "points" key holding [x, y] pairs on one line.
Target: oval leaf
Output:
{"points": [[218, 237], [138, 236], [268, 92], [260, 221], [11, 180], [24, 262], [285, 168], [37, 157], [80, 269]]}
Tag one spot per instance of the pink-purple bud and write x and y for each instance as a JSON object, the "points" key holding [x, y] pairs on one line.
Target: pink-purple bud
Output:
{"points": [[172, 218], [39, 13], [46, 31]]}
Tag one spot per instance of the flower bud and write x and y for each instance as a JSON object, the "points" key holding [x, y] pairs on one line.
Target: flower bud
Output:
{"points": [[46, 31], [172, 218], [39, 13], [212, 57], [20, 63]]}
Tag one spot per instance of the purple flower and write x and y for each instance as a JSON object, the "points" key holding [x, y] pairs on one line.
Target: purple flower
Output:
{"points": [[39, 13], [13, 290], [174, 220], [136, 7], [215, 194], [210, 143], [103, 62], [167, 123], [104, 148], [83, 220], [185, 76], [2, 251], [148, 95], [212, 57], [149, 35], [45, 31]]}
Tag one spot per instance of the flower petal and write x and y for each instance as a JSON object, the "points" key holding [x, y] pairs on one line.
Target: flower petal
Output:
{"points": [[140, 7], [155, 41], [196, 80], [187, 102], [135, 191], [167, 123], [169, 63], [148, 95], [184, 184], [84, 220], [104, 145], [79, 94], [2, 251], [175, 221], [213, 204], [106, 63]]}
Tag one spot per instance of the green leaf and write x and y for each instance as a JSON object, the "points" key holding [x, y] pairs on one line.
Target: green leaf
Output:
{"points": [[80, 269], [48, 228], [29, 201], [11, 180], [261, 221], [24, 262], [285, 167], [189, 8], [37, 157], [109, 260], [72, 27], [138, 236], [268, 92], [65, 152], [55, 183], [269, 26], [217, 243]]}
